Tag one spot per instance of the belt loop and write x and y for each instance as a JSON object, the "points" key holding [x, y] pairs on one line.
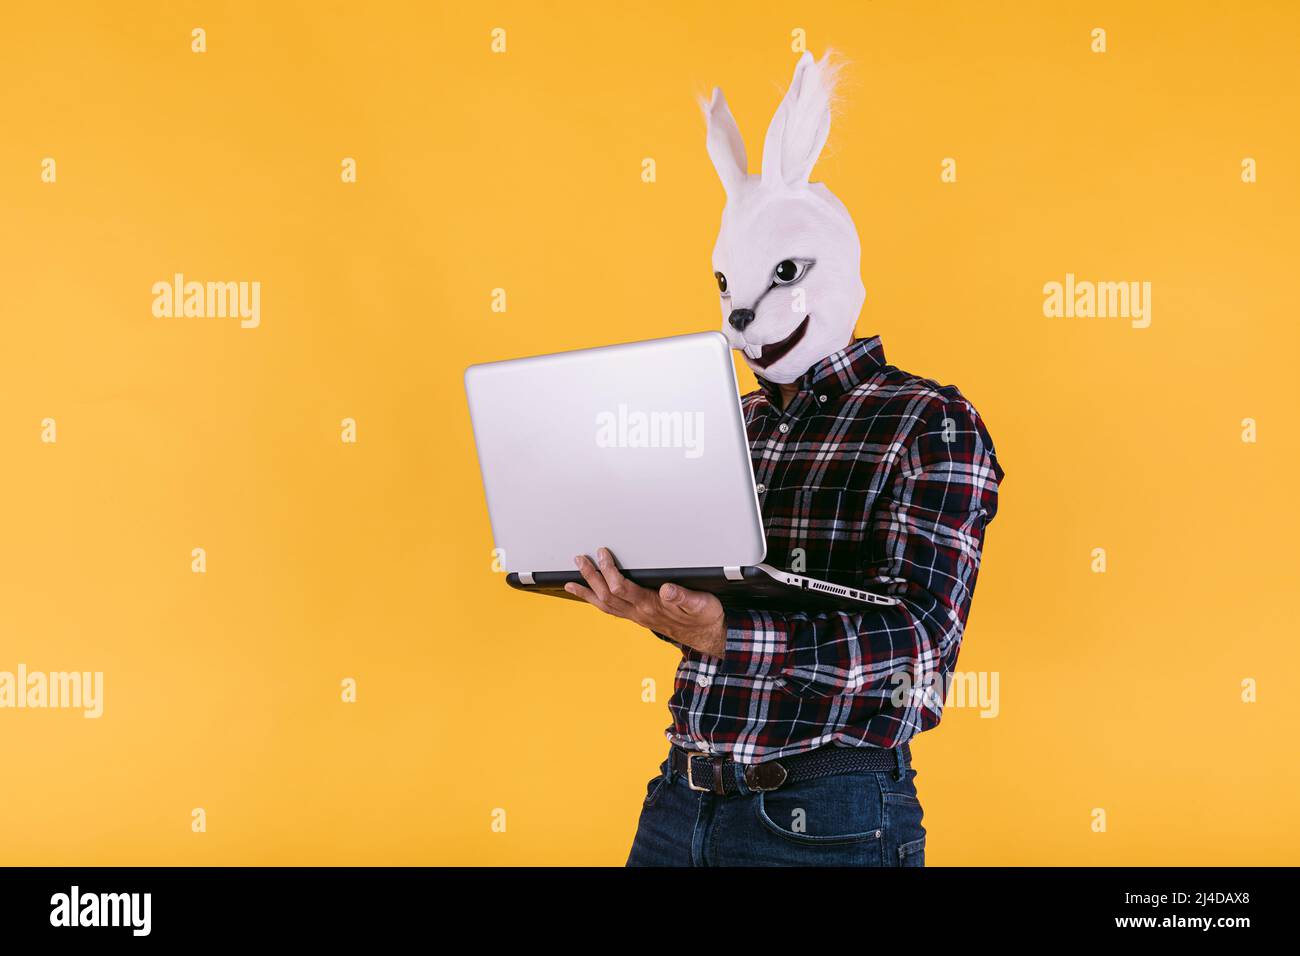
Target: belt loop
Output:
{"points": [[738, 774], [671, 772], [901, 764]]}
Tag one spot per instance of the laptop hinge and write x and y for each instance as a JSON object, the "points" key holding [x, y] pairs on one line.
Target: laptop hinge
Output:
{"points": [[732, 574], [526, 577]]}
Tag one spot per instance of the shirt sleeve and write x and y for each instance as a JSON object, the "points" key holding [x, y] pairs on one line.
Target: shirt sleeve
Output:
{"points": [[668, 640], [923, 547]]}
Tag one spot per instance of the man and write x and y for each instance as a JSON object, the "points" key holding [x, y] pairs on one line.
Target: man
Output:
{"points": [[790, 730]]}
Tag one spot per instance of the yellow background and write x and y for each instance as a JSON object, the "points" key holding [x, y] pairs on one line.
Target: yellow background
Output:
{"points": [[476, 171]]}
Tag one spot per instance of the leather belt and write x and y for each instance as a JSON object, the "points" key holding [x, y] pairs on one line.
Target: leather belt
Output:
{"points": [[718, 775]]}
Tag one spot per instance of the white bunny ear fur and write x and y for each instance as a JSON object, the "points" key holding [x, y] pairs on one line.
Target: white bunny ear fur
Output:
{"points": [[725, 145], [801, 123]]}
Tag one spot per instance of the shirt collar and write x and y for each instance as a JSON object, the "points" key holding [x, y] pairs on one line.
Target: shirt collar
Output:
{"points": [[838, 372]]}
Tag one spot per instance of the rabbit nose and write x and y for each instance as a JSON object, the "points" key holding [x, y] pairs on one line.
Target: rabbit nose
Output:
{"points": [[740, 318]]}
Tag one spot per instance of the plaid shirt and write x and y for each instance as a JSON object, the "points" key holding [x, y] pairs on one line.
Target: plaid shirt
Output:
{"points": [[872, 478]]}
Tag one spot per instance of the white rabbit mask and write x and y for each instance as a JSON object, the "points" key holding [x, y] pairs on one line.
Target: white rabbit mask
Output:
{"points": [[787, 256]]}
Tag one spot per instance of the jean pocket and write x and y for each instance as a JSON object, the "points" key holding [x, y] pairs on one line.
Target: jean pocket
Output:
{"points": [[654, 788], [873, 834], [902, 799], [912, 854], [905, 832]]}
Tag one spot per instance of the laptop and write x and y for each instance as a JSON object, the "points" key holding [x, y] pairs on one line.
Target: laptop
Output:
{"points": [[640, 448]]}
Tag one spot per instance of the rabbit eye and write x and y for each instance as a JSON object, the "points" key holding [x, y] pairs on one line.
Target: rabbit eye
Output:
{"points": [[722, 282], [790, 270]]}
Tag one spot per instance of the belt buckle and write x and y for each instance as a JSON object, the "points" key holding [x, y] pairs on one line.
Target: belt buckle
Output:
{"points": [[690, 772], [755, 772]]}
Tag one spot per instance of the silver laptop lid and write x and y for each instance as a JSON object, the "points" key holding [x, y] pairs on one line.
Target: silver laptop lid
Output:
{"points": [[640, 448]]}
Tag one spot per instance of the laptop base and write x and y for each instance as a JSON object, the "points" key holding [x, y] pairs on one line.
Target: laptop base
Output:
{"points": [[756, 587]]}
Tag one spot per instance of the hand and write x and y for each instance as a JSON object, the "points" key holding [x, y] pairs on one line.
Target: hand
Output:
{"points": [[692, 618]]}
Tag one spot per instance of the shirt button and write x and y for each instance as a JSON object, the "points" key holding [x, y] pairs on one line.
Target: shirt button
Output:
{"points": [[703, 680], [822, 399], [760, 488], [784, 428]]}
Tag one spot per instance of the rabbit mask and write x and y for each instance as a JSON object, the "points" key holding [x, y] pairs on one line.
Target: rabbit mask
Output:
{"points": [[787, 255]]}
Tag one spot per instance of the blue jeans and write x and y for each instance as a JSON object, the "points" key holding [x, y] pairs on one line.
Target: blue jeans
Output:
{"points": [[853, 819]]}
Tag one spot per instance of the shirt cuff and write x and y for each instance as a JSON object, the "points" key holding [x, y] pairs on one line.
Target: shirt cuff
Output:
{"points": [[756, 644], [665, 637]]}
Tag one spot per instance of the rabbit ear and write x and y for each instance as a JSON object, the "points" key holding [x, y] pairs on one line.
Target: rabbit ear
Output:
{"points": [[801, 124], [726, 148]]}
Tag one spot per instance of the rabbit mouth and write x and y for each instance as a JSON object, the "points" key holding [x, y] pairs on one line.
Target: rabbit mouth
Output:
{"points": [[774, 351]]}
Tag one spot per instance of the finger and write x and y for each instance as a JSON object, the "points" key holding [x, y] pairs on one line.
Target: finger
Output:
{"points": [[610, 603], [591, 574], [619, 587], [587, 595]]}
